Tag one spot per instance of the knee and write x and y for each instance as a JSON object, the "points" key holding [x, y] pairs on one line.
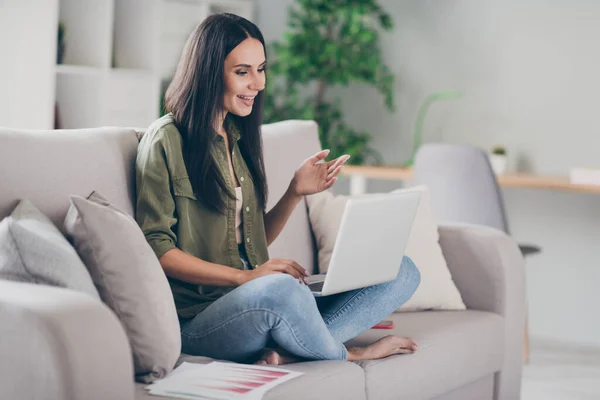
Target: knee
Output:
{"points": [[409, 273], [283, 290]]}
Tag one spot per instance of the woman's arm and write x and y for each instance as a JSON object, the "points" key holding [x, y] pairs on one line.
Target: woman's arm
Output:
{"points": [[156, 216], [187, 268], [313, 176], [276, 218], [180, 265]]}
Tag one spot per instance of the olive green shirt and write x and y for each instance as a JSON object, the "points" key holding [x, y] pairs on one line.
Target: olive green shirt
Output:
{"points": [[170, 215]]}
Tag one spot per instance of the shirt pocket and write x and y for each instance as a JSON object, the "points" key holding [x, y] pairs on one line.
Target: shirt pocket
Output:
{"points": [[182, 186]]}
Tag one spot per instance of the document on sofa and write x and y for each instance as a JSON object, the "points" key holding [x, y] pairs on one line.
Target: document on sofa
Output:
{"points": [[220, 381]]}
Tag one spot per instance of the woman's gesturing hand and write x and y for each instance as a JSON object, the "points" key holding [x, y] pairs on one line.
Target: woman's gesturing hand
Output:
{"points": [[314, 175], [276, 266]]}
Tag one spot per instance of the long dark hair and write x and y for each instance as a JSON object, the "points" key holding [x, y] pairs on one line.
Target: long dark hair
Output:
{"points": [[195, 98]]}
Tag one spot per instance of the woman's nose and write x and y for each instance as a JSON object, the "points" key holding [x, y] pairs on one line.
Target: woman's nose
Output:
{"points": [[258, 83]]}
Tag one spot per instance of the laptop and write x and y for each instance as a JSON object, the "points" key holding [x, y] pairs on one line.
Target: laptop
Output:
{"points": [[370, 243]]}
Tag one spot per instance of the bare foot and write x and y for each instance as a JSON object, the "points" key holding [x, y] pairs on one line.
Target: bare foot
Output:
{"points": [[276, 357], [384, 347]]}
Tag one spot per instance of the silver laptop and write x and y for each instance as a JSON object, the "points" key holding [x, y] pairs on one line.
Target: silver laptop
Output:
{"points": [[370, 243]]}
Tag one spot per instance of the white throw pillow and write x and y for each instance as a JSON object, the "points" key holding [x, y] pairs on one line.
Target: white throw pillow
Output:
{"points": [[33, 250], [437, 291]]}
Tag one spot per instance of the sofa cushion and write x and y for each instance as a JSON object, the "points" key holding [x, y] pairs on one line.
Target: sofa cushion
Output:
{"points": [[455, 348], [33, 250], [437, 291], [321, 380], [286, 145], [130, 281], [46, 167]]}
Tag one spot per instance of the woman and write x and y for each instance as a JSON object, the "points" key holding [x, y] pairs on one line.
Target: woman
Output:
{"points": [[201, 196]]}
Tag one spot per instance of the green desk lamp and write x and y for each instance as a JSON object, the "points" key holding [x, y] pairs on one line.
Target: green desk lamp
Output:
{"points": [[418, 133]]}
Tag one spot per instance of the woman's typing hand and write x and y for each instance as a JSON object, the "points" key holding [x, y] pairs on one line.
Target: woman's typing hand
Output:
{"points": [[275, 266]]}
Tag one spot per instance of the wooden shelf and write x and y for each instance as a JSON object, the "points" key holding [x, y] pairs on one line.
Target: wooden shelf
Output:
{"points": [[520, 180]]}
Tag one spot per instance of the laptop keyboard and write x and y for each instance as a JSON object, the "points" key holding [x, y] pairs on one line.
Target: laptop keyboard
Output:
{"points": [[316, 287]]}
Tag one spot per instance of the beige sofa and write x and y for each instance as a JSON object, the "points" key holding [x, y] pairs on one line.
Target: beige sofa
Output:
{"points": [[60, 344]]}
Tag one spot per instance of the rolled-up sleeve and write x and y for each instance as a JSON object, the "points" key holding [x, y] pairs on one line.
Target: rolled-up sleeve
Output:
{"points": [[155, 206]]}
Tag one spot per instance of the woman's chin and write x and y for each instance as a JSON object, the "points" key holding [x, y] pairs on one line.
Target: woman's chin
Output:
{"points": [[243, 112]]}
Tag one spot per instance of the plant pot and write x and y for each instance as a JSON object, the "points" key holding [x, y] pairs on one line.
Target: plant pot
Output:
{"points": [[499, 163]]}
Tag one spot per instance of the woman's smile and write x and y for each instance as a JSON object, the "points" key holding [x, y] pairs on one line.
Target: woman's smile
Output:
{"points": [[248, 101]]}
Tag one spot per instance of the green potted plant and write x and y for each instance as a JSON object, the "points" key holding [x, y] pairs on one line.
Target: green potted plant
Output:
{"points": [[329, 43], [498, 159]]}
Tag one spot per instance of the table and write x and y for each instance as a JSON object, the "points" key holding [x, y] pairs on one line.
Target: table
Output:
{"points": [[359, 173]]}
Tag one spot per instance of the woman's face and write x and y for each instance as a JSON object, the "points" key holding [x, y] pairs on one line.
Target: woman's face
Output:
{"points": [[244, 76]]}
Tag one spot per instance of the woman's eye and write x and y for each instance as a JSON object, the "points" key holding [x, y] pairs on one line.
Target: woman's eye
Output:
{"points": [[242, 73], [262, 69]]}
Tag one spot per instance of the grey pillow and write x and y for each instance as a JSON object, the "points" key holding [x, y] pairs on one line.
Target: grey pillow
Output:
{"points": [[130, 281], [33, 250]]}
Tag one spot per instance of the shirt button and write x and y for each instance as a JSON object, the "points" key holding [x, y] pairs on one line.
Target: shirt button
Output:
{"points": [[247, 208], [242, 179], [248, 240]]}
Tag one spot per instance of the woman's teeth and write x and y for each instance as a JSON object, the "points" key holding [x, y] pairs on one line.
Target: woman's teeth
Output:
{"points": [[247, 100]]}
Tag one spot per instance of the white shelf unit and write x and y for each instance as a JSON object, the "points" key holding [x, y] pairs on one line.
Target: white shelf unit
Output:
{"points": [[121, 54], [89, 31]]}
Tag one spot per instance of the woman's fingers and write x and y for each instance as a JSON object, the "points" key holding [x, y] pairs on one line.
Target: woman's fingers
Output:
{"points": [[299, 267], [287, 268], [291, 267], [330, 183], [334, 173], [331, 165], [319, 156], [336, 161], [295, 269]]}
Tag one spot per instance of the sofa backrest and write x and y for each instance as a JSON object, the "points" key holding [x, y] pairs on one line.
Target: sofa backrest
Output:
{"points": [[286, 145], [48, 166]]}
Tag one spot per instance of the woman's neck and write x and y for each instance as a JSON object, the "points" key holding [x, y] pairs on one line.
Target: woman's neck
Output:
{"points": [[219, 124]]}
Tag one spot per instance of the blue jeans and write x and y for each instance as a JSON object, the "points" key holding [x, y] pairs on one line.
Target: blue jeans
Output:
{"points": [[277, 308]]}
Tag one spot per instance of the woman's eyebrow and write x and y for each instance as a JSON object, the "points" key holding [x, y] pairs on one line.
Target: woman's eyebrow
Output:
{"points": [[248, 65]]}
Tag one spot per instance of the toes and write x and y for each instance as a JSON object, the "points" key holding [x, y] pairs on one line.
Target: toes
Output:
{"points": [[402, 350], [273, 358], [412, 347], [405, 350], [268, 356], [407, 343]]}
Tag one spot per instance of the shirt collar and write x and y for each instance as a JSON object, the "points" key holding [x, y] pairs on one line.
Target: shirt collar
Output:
{"points": [[232, 128]]}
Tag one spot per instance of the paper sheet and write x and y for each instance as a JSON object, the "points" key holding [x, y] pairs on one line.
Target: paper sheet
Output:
{"points": [[220, 381]]}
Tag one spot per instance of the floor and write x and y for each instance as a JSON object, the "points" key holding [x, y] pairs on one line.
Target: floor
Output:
{"points": [[558, 372]]}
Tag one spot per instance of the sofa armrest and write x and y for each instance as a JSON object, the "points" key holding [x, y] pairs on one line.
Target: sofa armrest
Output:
{"points": [[487, 267], [61, 344], [489, 271]]}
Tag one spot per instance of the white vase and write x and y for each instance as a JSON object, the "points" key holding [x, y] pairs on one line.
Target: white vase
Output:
{"points": [[584, 176], [499, 163]]}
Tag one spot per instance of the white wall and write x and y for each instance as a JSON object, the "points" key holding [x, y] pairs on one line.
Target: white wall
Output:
{"points": [[28, 32], [531, 75]]}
